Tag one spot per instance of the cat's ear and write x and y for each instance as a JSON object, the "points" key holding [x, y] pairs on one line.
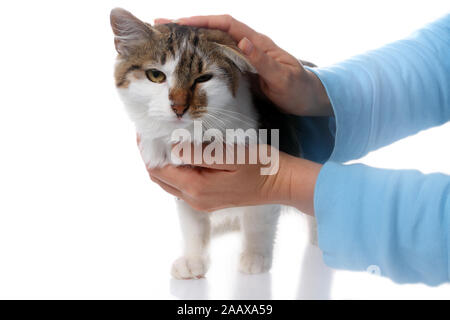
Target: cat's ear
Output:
{"points": [[238, 58], [129, 31]]}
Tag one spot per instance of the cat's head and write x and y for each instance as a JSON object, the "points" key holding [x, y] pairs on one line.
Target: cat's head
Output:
{"points": [[175, 74]]}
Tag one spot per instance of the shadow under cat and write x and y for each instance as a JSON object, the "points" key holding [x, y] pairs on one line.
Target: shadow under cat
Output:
{"points": [[314, 283]]}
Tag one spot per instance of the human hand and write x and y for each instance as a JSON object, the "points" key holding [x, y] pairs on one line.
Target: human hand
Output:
{"points": [[212, 187], [283, 79]]}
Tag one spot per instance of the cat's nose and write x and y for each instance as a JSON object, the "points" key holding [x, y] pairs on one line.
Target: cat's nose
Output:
{"points": [[179, 110]]}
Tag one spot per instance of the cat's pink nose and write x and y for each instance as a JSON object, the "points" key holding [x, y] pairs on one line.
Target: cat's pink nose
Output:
{"points": [[179, 110]]}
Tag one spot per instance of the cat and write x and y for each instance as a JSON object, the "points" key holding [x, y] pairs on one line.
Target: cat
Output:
{"points": [[170, 75]]}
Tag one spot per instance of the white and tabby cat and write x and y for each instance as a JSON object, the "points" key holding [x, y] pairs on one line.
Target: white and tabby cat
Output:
{"points": [[170, 75]]}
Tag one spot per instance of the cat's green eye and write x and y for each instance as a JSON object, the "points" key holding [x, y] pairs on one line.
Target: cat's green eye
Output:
{"points": [[155, 76], [204, 78]]}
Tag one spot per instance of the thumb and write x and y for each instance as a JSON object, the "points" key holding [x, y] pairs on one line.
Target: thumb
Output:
{"points": [[265, 65]]}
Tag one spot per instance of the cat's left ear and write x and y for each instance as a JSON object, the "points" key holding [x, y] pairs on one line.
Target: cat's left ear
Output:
{"points": [[238, 58], [129, 31]]}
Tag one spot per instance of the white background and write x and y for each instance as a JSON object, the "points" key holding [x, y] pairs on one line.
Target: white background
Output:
{"points": [[79, 217]]}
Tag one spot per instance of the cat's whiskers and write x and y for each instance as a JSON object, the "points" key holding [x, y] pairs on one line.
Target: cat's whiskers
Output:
{"points": [[213, 117], [225, 115], [231, 113], [205, 124], [210, 124], [240, 114], [227, 123]]}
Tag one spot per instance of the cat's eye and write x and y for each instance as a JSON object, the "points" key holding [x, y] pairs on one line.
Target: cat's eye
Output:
{"points": [[204, 78], [155, 76]]}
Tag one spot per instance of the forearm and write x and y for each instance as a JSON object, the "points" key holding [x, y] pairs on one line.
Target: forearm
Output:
{"points": [[397, 220], [389, 93]]}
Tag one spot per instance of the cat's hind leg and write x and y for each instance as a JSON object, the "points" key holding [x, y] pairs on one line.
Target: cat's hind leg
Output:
{"points": [[312, 230], [196, 230], [258, 224]]}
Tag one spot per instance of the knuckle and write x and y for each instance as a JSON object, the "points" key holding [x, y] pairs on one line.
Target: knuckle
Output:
{"points": [[259, 37], [228, 18], [262, 37], [153, 179]]}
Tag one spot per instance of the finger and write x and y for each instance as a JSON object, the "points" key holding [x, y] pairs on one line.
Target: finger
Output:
{"points": [[177, 177], [197, 157], [264, 64], [162, 21], [229, 158], [205, 161], [218, 166], [236, 29], [168, 188], [138, 139]]}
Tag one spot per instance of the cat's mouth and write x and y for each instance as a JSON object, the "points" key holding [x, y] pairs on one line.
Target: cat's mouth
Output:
{"points": [[187, 118], [180, 121]]}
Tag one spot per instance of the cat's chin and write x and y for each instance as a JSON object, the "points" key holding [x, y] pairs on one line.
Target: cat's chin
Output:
{"points": [[180, 122]]}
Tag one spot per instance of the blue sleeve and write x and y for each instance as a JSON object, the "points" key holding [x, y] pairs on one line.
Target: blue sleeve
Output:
{"points": [[398, 221], [395, 220], [387, 94]]}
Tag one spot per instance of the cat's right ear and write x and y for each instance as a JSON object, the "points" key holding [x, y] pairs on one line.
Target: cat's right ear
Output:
{"points": [[129, 31], [233, 53]]}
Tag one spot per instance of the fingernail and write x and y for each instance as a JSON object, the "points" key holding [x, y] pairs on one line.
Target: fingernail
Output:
{"points": [[246, 46], [158, 20], [164, 21]]}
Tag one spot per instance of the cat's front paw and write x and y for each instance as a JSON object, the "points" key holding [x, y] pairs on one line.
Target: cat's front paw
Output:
{"points": [[190, 268], [253, 263]]}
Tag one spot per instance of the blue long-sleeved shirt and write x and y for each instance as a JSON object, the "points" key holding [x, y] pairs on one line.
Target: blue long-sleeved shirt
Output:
{"points": [[397, 220]]}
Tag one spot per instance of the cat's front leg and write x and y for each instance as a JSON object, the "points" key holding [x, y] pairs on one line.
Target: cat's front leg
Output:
{"points": [[196, 229], [259, 225]]}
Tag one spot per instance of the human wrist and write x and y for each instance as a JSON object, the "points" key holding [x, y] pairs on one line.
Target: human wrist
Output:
{"points": [[297, 181], [317, 102]]}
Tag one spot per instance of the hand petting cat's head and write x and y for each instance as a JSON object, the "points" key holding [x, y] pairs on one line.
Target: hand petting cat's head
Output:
{"points": [[176, 74]]}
